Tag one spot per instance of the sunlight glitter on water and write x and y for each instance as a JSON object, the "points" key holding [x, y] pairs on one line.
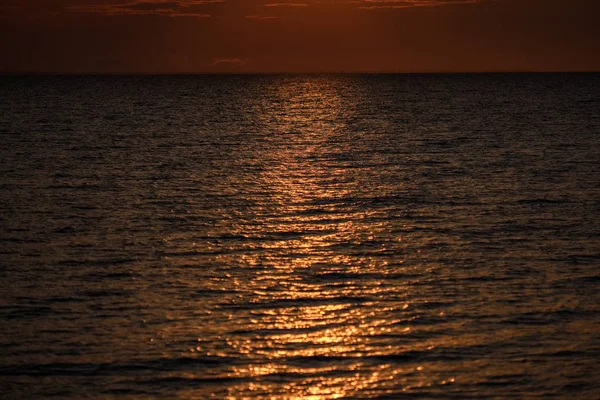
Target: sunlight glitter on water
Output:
{"points": [[301, 237]]}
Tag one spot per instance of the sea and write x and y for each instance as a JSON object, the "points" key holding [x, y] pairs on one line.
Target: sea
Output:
{"points": [[342, 236]]}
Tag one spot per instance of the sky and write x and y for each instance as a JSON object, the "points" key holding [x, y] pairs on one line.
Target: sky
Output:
{"points": [[246, 36]]}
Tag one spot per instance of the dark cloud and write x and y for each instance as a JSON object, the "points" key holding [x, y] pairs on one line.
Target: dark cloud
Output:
{"points": [[373, 4], [182, 8], [230, 61]]}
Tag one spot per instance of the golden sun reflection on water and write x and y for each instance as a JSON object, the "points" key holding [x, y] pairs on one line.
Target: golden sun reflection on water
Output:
{"points": [[300, 237], [311, 298], [312, 315]]}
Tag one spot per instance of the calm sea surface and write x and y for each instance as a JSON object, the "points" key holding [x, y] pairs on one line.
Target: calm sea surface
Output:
{"points": [[300, 237]]}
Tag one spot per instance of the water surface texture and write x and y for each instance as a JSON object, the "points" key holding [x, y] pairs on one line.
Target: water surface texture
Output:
{"points": [[300, 237]]}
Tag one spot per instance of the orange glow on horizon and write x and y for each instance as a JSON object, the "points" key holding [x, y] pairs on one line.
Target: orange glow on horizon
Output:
{"points": [[232, 36]]}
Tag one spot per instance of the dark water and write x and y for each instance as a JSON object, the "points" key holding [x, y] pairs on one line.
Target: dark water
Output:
{"points": [[306, 237]]}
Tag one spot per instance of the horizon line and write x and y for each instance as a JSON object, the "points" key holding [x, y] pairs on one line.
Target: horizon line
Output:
{"points": [[171, 73]]}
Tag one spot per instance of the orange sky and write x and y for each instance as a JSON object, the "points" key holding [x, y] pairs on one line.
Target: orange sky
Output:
{"points": [[177, 36]]}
